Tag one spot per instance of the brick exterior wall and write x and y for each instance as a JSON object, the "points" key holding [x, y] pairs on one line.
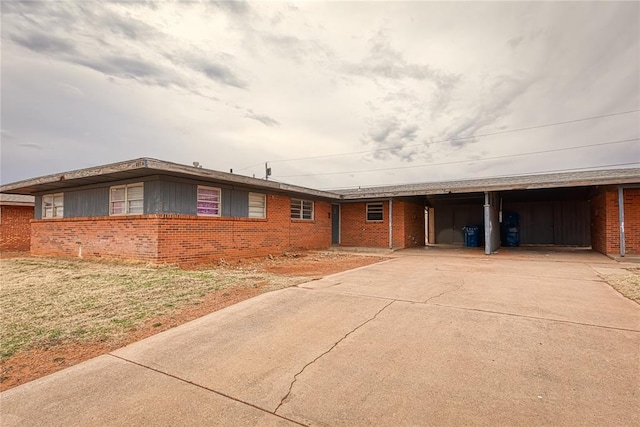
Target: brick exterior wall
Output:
{"points": [[123, 237], [632, 220], [605, 232], [414, 232], [408, 225], [15, 227], [183, 239], [356, 231]]}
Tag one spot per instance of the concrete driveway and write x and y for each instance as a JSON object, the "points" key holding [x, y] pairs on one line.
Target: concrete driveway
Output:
{"points": [[427, 338]]}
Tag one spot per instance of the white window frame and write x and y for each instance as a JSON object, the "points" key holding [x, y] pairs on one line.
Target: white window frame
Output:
{"points": [[375, 208], [257, 201], [57, 210], [127, 200], [301, 209], [204, 187]]}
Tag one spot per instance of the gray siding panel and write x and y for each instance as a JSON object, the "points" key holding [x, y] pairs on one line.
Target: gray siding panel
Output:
{"points": [[37, 212], [235, 203], [92, 202], [169, 197], [565, 222]]}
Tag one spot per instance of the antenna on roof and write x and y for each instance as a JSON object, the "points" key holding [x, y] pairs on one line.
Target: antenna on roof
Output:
{"points": [[267, 171]]}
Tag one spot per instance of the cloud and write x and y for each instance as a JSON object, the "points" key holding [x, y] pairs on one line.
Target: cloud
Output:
{"points": [[264, 119], [214, 70], [6, 134], [128, 27], [233, 7], [494, 102], [383, 61], [31, 146], [44, 43], [295, 48], [96, 37], [391, 137]]}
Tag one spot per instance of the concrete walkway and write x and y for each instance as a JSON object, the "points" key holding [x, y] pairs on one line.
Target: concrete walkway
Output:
{"points": [[427, 338]]}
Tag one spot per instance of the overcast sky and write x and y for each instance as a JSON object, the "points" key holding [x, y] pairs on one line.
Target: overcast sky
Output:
{"points": [[234, 84]]}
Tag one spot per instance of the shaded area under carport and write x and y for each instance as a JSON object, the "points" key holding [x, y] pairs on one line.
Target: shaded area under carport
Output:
{"points": [[555, 216]]}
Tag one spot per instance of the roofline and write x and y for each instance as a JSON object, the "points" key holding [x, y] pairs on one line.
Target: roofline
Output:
{"points": [[16, 200], [527, 182], [29, 204], [168, 167], [518, 182]]}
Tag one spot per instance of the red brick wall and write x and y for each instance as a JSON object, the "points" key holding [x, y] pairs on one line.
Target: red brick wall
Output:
{"points": [[408, 225], [605, 231], [15, 227], [413, 224], [632, 220], [183, 239], [121, 237], [356, 231]]}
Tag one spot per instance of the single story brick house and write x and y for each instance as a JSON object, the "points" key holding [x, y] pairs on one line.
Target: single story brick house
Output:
{"points": [[16, 214], [163, 212]]}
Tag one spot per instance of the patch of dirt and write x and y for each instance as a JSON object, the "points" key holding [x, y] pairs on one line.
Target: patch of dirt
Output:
{"points": [[13, 254], [30, 364], [310, 264]]}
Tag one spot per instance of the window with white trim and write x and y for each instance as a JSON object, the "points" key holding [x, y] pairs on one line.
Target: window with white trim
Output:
{"points": [[301, 209], [53, 205], [126, 199], [257, 205], [209, 201], [375, 212]]}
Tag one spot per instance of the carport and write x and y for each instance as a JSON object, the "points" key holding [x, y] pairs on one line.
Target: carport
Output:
{"points": [[555, 216], [578, 209]]}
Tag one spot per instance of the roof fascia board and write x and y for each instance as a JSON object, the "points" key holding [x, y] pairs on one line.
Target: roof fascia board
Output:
{"points": [[451, 187], [155, 166]]}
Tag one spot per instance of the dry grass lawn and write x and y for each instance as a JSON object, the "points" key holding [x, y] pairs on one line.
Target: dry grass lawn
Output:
{"points": [[47, 302], [627, 283]]}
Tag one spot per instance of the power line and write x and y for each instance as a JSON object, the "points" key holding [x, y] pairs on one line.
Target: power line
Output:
{"points": [[247, 167], [426, 144], [497, 176], [467, 161]]}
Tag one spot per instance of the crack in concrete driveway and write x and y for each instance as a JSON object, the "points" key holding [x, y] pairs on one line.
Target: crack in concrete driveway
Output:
{"points": [[445, 292], [295, 377]]}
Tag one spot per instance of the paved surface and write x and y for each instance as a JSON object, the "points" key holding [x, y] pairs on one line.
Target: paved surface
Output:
{"points": [[428, 338]]}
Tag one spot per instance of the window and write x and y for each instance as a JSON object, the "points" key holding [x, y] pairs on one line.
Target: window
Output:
{"points": [[301, 209], [208, 201], [375, 211], [53, 205], [257, 205], [127, 199]]}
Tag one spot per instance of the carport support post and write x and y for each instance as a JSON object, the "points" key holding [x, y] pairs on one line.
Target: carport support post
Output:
{"points": [[390, 223], [621, 219], [487, 224]]}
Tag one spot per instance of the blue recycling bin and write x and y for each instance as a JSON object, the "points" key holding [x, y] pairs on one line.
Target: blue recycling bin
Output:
{"points": [[472, 236]]}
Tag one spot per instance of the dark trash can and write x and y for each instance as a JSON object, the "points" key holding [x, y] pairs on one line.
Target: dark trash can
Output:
{"points": [[510, 229], [512, 237], [472, 236]]}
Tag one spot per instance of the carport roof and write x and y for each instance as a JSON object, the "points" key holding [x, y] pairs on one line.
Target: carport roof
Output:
{"points": [[523, 182]]}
